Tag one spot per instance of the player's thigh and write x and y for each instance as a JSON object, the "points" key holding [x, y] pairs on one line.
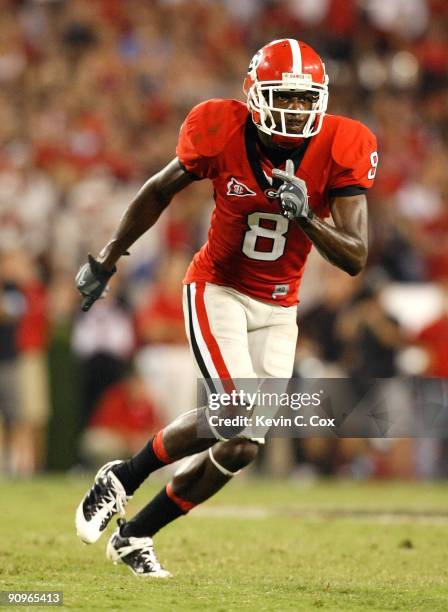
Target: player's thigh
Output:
{"points": [[216, 325], [273, 347]]}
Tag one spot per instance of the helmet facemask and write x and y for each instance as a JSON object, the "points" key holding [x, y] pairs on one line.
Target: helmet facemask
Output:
{"points": [[261, 103]]}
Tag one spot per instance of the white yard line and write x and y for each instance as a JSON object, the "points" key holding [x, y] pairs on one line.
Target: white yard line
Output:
{"points": [[319, 514]]}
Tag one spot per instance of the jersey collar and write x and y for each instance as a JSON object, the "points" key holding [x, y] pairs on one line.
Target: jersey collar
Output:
{"points": [[250, 136]]}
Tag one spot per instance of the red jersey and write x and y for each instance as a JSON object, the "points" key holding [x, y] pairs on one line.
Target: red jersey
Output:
{"points": [[251, 247]]}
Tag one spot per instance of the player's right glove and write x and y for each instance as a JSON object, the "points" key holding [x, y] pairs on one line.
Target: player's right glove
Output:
{"points": [[91, 281]]}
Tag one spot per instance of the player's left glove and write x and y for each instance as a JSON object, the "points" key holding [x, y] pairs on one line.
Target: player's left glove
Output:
{"points": [[91, 281], [292, 194]]}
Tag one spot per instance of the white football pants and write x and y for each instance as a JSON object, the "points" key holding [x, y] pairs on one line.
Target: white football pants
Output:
{"points": [[233, 336]]}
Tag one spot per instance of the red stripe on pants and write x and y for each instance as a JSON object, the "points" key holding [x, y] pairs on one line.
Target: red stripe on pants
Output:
{"points": [[210, 340]]}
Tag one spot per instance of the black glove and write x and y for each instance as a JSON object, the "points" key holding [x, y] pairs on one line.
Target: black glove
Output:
{"points": [[293, 194], [91, 281]]}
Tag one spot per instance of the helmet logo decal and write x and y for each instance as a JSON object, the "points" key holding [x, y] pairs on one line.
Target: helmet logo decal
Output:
{"points": [[238, 189], [255, 61]]}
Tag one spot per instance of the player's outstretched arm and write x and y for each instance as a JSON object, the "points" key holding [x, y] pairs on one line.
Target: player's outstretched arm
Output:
{"points": [[144, 210], [141, 214]]}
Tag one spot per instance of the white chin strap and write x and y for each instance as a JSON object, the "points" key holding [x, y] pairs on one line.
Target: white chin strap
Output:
{"points": [[220, 467]]}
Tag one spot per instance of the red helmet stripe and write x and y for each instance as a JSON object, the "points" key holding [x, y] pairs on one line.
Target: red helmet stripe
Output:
{"points": [[296, 56]]}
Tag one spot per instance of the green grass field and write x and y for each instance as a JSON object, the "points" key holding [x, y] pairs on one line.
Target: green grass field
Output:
{"points": [[258, 545]]}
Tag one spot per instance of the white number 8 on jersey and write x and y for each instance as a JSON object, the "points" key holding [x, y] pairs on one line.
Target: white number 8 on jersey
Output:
{"points": [[277, 235]]}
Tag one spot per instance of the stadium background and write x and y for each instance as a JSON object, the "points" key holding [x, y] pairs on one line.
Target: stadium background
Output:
{"points": [[92, 95]]}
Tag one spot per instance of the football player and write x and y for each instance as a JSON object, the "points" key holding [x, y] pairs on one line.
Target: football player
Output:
{"points": [[279, 166]]}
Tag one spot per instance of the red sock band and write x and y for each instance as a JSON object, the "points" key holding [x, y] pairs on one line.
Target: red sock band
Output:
{"points": [[183, 504], [159, 448]]}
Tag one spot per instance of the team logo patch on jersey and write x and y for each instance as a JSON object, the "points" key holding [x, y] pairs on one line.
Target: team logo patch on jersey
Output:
{"points": [[235, 188], [272, 193]]}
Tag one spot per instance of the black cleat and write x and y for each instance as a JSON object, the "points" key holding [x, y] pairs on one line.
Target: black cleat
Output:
{"points": [[137, 553]]}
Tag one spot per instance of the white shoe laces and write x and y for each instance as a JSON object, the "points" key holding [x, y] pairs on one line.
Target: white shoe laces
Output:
{"points": [[144, 547], [120, 498], [115, 499]]}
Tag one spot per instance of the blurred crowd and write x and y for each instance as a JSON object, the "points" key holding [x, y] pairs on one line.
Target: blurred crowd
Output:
{"points": [[92, 95]]}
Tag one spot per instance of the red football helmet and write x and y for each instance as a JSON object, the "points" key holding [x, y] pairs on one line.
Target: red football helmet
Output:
{"points": [[286, 65]]}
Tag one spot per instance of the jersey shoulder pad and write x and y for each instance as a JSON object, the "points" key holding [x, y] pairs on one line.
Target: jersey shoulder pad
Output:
{"points": [[352, 141], [209, 125], [354, 157]]}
